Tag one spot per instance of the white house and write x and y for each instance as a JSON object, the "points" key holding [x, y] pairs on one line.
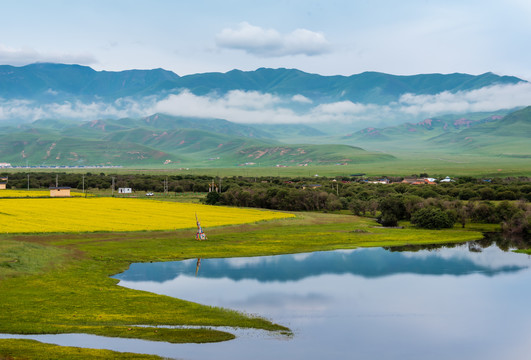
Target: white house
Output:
{"points": [[446, 179]]}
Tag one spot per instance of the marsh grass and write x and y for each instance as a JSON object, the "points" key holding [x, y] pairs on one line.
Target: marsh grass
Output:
{"points": [[19, 258], [61, 283], [11, 350]]}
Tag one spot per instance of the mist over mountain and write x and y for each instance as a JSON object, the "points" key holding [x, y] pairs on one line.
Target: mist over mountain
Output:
{"points": [[56, 114], [263, 96]]}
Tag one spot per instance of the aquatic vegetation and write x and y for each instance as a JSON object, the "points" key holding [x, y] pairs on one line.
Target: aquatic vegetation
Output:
{"points": [[117, 214]]}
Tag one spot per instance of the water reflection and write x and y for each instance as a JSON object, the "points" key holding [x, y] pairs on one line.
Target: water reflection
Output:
{"points": [[197, 265], [502, 241], [451, 259], [449, 302]]}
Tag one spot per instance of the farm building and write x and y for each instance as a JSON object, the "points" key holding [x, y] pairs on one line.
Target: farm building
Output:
{"points": [[415, 181], [125, 190], [447, 180], [60, 191], [3, 183]]}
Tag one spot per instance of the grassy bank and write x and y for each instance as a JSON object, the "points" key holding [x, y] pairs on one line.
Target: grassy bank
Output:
{"points": [[59, 283]]}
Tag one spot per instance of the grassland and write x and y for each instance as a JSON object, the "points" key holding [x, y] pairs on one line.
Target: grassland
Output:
{"points": [[436, 165], [59, 283]]}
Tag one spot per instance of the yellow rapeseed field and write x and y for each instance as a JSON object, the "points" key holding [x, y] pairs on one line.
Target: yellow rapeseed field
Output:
{"points": [[117, 214], [31, 193]]}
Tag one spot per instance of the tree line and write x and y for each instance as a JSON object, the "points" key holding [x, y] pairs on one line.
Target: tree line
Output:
{"points": [[503, 201]]}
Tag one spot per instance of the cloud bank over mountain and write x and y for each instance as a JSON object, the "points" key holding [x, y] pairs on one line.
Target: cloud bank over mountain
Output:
{"points": [[254, 107], [268, 96], [489, 98], [22, 56]]}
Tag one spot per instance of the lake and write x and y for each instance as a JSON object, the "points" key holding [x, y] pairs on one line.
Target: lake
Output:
{"points": [[465, 302]]}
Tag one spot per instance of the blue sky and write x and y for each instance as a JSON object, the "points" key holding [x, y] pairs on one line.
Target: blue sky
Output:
{"points": [[325, 37]]}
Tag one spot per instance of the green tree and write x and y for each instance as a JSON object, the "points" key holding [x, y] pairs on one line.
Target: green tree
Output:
{"points": [[212, 198], [433, 218], [392, 209]]}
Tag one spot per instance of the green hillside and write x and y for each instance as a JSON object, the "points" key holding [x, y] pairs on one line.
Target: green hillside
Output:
{"points": [[483, 133], [162, 140], [56, 150], [509, 136]]}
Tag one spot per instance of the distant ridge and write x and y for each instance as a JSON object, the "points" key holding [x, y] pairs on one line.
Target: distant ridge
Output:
{"points": [[47, 82], [494, 135]]}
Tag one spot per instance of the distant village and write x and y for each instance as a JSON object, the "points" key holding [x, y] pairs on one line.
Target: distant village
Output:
{"points": [[9, 166]]}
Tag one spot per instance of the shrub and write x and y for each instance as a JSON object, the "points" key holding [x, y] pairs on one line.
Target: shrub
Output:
{"points": [[392, 210], [467, 194], [212, 198], [433, 218]]}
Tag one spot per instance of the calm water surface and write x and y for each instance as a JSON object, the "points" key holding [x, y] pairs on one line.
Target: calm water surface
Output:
{"points": [[463, 302]]}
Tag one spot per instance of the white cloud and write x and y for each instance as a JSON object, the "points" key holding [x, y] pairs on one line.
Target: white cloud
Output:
{"points": [[256, 107], [250, 99], [30, 111], [488, 98], [18, 57], [271, 43], [301, 99], [237, 106]]}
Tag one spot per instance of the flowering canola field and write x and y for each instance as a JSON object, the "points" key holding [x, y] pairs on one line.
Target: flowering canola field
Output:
{"points": [[116, 214], [31, 193]]}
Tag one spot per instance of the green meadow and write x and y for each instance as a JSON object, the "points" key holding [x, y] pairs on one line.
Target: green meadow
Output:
{"points": [[436, 165]]}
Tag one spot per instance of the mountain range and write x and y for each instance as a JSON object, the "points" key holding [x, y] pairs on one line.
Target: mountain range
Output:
{"points": [[164, 140], [60, 82]]}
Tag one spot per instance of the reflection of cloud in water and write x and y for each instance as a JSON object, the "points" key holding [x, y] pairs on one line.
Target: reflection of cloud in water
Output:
{"points": [[301, 257], [239, 263], [249, 295], [294, 302], [491, 257], [369, 263]]}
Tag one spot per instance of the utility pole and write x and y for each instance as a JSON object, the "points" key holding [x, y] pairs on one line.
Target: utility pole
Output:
{"points": [[28, 182], [57, 180], [112, 187], [83, 184], [166, 186]]}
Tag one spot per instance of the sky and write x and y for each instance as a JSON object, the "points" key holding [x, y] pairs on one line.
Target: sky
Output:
{"points": [[326, 37], [333, 37]]}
